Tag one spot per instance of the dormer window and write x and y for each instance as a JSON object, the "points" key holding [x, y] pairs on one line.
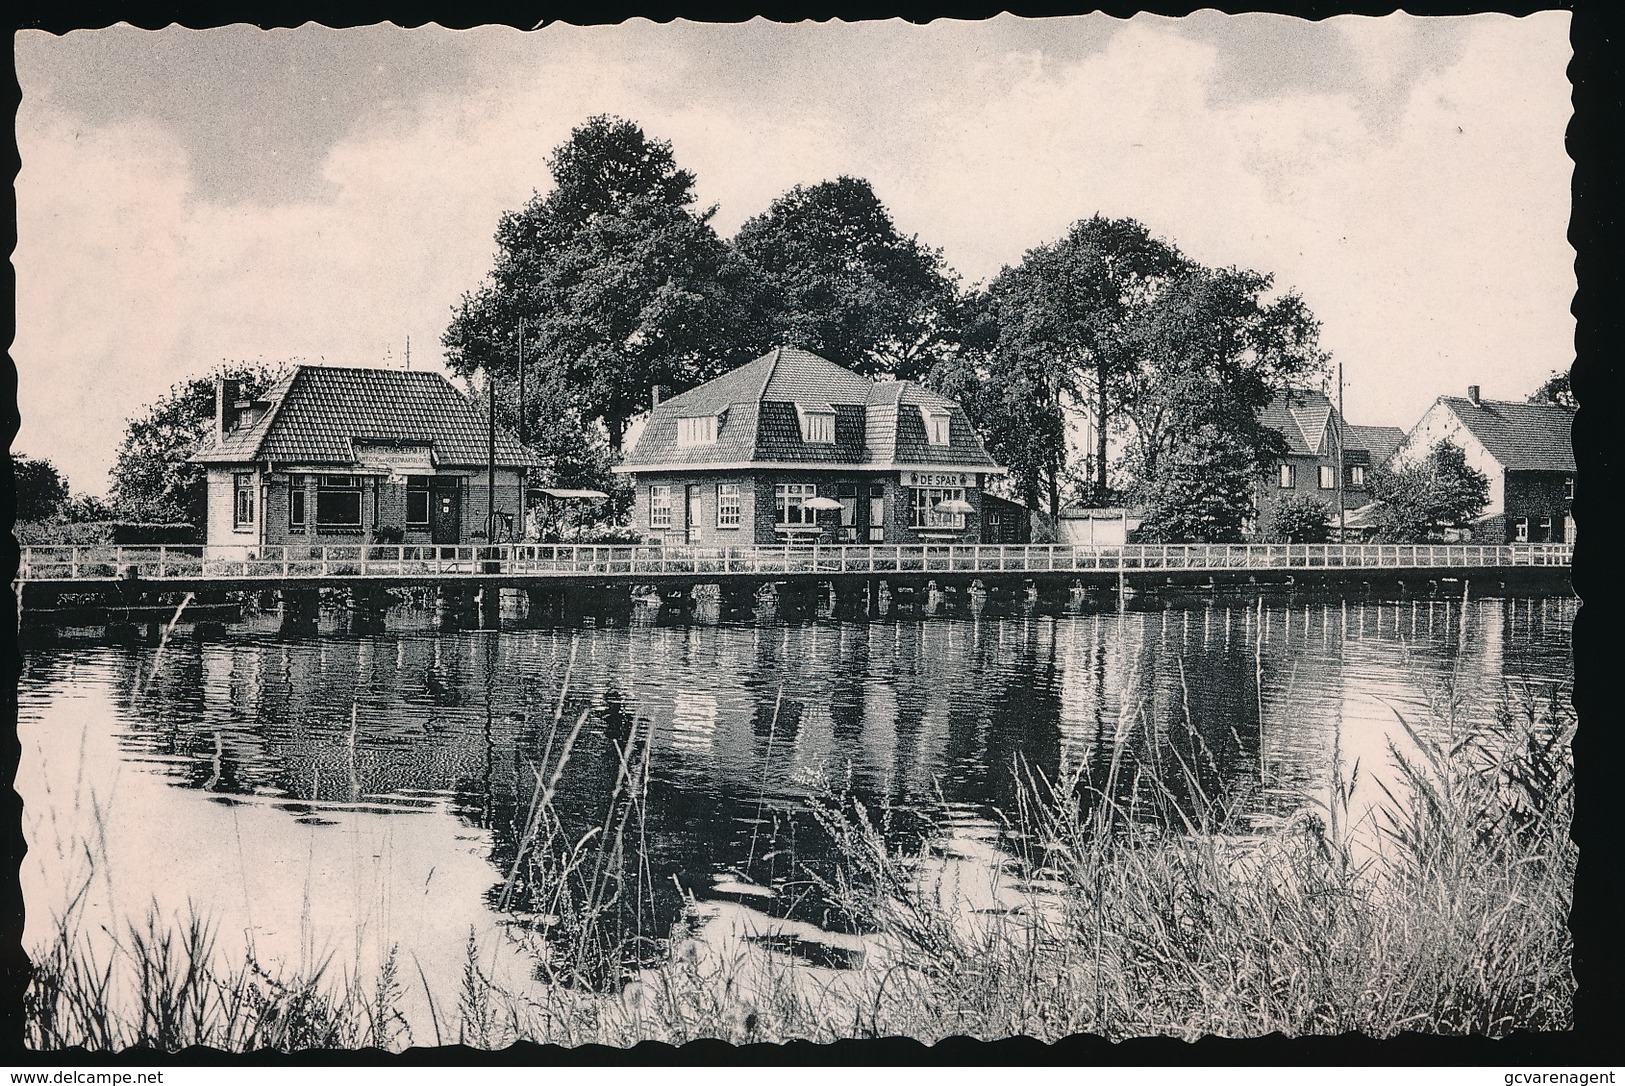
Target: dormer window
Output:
{"points": [[937, 429], [817, 423], [696, 430]]}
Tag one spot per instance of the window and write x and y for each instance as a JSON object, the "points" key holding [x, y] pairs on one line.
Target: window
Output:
{"points": [[1328, 477], [729, 512], [242, 512], [1289, 476], [1568, 489], [790, 505], [923, 502], [660, 507], [877, 514], [1545, 529], [1357, 475], [937, 428], [817, 424], [338, 503], [1520, 530], [697, 430], [417, 501], [296, 504]]}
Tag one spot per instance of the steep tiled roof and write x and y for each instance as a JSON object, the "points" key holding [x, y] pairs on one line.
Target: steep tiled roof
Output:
{"points": [[1379, 441], [317, 411], [876, 422], [1302, 416], [1521, 436]]}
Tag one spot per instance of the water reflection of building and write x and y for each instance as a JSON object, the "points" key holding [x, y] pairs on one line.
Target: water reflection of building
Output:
{"points": [[745, 720]]}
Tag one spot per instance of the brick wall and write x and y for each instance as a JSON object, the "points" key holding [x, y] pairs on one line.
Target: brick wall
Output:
{"points": [[1532, 495], [758, 511]]}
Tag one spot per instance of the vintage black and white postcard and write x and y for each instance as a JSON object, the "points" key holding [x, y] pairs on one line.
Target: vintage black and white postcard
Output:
{"points": [[795, 531]]}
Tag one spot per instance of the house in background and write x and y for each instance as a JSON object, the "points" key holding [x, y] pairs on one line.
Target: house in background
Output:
{"points": [[793, 448], [1524, 448], [1311, 425], [332, 455]]}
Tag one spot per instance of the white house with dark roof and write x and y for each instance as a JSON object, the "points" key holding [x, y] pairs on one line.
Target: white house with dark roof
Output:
{"points": [[1524, 448], [332, 455], [1311, 426], [746, 457]]}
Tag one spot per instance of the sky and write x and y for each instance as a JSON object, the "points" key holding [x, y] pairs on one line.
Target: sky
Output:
{"points": [[188, 197]]}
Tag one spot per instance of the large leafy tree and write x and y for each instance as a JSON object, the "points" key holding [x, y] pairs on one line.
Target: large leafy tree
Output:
{"points": [[621, 283], [151, 480], [1068, 310], [834, 275], [40, 491], [1417, 499], [1209, 349]]}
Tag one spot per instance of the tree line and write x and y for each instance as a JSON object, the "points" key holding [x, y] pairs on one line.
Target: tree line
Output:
{"points": [[621, 282]]}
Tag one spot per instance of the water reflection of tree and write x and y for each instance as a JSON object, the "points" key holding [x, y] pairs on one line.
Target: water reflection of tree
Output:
{"points": [[908, 706]]}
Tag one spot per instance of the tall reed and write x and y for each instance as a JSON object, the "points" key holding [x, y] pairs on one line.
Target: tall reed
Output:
{"points": [[1127, 900]]}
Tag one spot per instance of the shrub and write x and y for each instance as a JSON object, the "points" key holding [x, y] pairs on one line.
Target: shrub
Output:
{"points": [[1298, 519]]}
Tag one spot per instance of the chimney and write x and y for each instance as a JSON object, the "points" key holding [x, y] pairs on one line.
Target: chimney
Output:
{"points": [[1472, 394], [226, 392], [655, 396]]}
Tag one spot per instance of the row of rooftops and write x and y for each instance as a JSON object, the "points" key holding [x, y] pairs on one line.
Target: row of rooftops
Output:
{"points": [[319, 415]]}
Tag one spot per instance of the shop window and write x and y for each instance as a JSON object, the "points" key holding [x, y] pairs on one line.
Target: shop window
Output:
{"points": [[790, 505], [923, 502], [417, 501], [242, 510], [338, 503], [660, 507], [730, 512]]}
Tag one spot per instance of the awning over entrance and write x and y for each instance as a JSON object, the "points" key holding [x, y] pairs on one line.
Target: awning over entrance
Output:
{"points": [[567, 493]]}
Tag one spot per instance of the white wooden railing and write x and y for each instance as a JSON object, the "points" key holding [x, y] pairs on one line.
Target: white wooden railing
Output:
{"points": [[423, 561]]}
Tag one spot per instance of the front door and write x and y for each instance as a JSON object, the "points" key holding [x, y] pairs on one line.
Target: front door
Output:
{"points": [[446, 513], [875, 527], [691, 513]]}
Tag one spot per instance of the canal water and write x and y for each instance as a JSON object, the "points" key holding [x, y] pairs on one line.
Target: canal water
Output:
{"points": [[332, 797]]}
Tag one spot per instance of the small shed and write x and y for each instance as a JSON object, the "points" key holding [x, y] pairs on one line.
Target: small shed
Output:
{"points": [[1005, 521], [1100, 526]]}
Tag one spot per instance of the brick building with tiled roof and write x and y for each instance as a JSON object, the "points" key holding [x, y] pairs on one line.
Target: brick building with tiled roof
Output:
{"points": [[1309, 422], [1525, 450], [333, 455], [746, 457]]}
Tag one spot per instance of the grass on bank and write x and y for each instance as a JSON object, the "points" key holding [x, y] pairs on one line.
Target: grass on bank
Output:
{"points": [[1126, 906]]}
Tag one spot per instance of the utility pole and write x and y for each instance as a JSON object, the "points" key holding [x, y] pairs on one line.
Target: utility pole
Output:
{"points": [[521, 380], [491, 461], [1342, 517], [408, 350]]}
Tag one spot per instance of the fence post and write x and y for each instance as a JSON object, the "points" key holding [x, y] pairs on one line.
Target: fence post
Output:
{"points": [[73, 562]]}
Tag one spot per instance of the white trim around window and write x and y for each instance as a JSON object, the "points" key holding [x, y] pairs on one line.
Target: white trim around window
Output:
{"points": [[730, 509], [245, 492], [660, 505], [789, 506]]}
